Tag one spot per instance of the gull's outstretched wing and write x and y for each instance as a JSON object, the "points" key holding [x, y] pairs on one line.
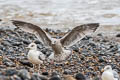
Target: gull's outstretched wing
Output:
{"points": [[31, 28], [78, 33]]}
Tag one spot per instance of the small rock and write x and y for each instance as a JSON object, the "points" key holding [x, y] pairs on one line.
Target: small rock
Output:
{"points": [[9, 64], [0, 19], [96, 78], [54, 74], [80, 76], [10, 72], [6, 43], [26, 62], [37, 42], [15, 77], [118, 35], [76, 49], [100, 34], [55, 78], [4, 78], [35, 76], [16, 43], [101, 59], [43, 77], [45, 73], [68, 77], [24, 74], [26, 41], [1, 47], [67, 71]]}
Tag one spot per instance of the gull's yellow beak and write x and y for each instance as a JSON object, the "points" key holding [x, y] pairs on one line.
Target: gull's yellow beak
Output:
{"points": [[27, 47]]}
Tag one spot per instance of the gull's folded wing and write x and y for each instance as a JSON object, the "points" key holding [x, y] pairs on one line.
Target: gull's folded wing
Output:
{"points": [[116, 75], [31, 28], [78, 33]]}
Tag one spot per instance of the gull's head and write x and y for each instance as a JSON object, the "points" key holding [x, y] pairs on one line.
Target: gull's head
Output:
{"points": [[54, 42], [108, 67], [32, 46]]}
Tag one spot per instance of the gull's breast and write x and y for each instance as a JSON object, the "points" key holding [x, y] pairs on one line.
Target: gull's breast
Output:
{"points": [[33, 57], [63, 56], [107, 76]]}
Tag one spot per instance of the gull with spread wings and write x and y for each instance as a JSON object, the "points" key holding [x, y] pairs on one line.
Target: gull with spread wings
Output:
{"points": [[57, 45]]}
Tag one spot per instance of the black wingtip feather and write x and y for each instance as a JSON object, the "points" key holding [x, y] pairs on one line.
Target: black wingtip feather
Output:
{"points": [[93, 26]]}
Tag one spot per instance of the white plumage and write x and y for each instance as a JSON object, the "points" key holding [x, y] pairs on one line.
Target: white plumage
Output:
{"points": [[109, 74], [35, 56]]}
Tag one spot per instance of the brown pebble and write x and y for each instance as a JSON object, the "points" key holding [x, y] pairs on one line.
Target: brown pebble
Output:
{"points": [[68, 77]]}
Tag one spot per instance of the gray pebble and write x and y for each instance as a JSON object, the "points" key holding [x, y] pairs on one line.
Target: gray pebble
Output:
{"points": [[24, 74]]}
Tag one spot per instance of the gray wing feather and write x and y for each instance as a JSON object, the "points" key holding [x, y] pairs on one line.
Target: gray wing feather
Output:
{"points": [[78, 33], [116, 75], [31, 28], [41, 57]]}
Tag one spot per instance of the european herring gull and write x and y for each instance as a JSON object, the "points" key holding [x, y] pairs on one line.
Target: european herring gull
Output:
{"points": [[34, 56], [57, 45], [109, 74]]}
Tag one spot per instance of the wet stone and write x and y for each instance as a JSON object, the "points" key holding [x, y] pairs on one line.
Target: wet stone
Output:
{"points": [[76, 49], [1, 47], [101, 59], [17, 43], [26, 62], [4, 77], [118, 35], [100, 34], [96, 78], [55, 78], [15, 77], [10, 64], [80, 76], [45, 73], [37, 42], [54, 74], [24, 74], [10, 72], [42, 77], [26, 41], [35, 76], [6, 43], [67, 71]]}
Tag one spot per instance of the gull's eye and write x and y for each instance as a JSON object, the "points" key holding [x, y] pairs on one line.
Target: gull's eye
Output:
{"points": [[32, 45], [108, 68]]}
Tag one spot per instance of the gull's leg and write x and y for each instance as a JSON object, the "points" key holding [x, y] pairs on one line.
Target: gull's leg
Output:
{"points": [[39, 68], [34, 67]]}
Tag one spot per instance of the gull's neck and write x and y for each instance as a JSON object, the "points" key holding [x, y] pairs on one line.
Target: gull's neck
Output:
{"points": [[33, 49], [57, 48]]}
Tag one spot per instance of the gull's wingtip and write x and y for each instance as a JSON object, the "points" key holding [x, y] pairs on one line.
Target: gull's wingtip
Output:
{"points": [[17, 22], [94, 26], [14, 22]]}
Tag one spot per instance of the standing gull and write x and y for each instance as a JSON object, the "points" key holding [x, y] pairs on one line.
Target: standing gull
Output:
{"points": [[34, 56], [109, 74], [60, 53]]}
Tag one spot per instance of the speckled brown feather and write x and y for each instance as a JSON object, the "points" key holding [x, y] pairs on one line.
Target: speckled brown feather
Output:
{"points": [[78, 33], [31, 28]]}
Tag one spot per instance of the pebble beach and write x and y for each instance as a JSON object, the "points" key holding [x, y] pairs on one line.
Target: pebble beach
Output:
{"points": [[89, 56]]}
